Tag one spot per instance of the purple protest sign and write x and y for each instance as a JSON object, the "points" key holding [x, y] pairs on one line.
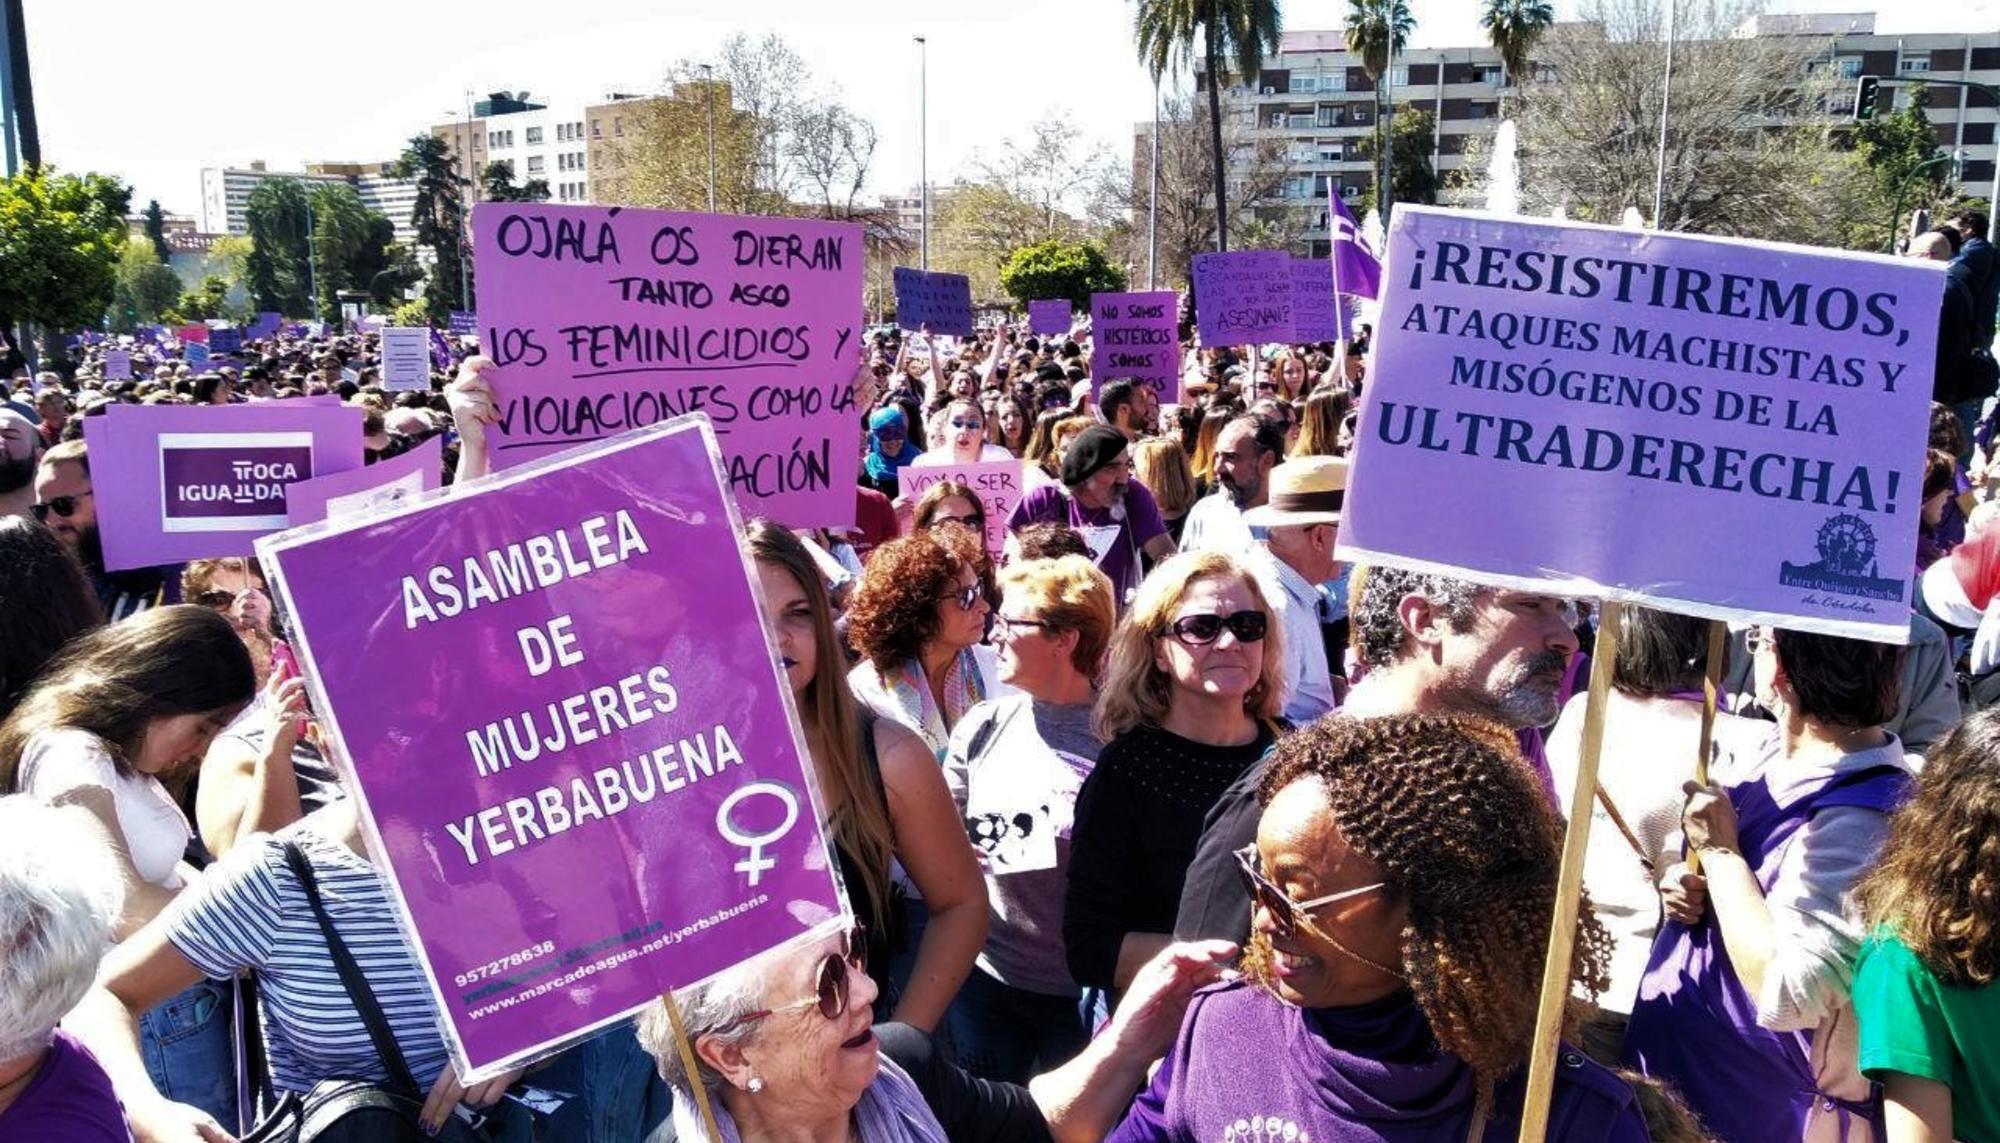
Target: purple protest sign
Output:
{"points": [[607, 319], [196, 355], [997, 483], [186, 482], [117, 365], [266, 325], [614, 799], [225, 339], [366, 489], [1049, 316], [462, 322], [1318, 314], [1723, 428], [1137, 336], [931, 298], [1243, 297]]}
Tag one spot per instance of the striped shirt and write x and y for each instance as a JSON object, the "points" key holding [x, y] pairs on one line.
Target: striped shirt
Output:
{"points": [[249, 912]]}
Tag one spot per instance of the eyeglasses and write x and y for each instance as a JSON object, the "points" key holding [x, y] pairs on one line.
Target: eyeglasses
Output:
{"points": [[1757, 638], [1201, 630], [830, 981], [968, 597], [1008, 628], [64, 506], [1285, 911]]}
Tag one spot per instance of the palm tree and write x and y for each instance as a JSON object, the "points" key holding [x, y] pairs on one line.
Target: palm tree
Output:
{"points": [[1238, 33], [1376, 31], [1514, 27]]}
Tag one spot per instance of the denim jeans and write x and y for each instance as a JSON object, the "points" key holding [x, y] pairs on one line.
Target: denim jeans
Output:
{"points": [[186, 1044], [623, 1094], [1011, 1035]]}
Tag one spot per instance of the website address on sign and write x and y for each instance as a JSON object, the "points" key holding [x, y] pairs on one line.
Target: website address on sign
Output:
{"points": [[613, 960]]}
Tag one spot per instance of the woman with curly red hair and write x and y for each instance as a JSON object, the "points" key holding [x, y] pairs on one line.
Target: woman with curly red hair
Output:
{"points": [[1403, 878], [1924, 988], [918, 620]]}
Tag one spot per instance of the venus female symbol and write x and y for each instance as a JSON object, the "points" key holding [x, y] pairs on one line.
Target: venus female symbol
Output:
{"points": [[756, 863]]}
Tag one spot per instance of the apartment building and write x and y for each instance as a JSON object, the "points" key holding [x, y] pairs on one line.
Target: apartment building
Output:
{"points": [[1316, 101], [225, 192]]}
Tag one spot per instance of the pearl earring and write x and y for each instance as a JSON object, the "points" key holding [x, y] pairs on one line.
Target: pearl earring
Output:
{"points": [[755, 1085]]}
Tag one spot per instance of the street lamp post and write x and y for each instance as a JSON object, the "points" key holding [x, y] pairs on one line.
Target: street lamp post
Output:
{"points": [[464, 257], [923, 156], [1153, 199], [1666, 100], [708, 87]]}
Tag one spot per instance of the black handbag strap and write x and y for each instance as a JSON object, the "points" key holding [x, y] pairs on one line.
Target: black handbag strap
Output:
{"points": [[351, 978]]}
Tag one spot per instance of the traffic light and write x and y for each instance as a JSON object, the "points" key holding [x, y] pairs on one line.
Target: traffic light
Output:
{"points": [[1865, 91]]}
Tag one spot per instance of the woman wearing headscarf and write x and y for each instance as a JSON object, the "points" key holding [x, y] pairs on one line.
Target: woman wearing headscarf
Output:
{"points": [[889, 449]]}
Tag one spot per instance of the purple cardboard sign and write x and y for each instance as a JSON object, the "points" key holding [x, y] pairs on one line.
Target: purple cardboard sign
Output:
{"points": [[613, 799], [1318, 314], [1719, 427], [183, 482], [266, 325], [365, 489], [196, 354], [463, 322], [932, 298], [1049, 316], [1243, 297], [117, 365], [1137, 336], [605, 319], [997, 483]]}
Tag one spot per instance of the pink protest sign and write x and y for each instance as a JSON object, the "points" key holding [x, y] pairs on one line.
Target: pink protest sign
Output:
{"points": [[553, 695], [358, 490], [997, 483], [195, 332], [1719, 427], [1243, 297], [1049, 316], [1137, 336], [604, 319], [180, 482]]}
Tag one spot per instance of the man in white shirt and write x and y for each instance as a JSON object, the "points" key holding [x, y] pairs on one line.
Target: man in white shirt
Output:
{"points": [[1246, 451], [1302, 520]]}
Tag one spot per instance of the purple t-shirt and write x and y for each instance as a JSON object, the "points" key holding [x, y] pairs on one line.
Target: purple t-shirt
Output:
{"points": [[1345, 1075], [1137, 521], [70, 1099]]}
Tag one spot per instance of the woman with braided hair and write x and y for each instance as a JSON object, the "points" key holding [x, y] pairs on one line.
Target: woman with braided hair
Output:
{"points": [[1403, 879]]}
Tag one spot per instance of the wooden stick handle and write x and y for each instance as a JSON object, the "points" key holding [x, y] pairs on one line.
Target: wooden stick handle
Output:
{"points": [[1556, 973], [1711, 689], [693, 1067]]}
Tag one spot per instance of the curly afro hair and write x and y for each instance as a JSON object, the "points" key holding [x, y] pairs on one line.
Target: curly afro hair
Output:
{"points": [[1468, 842], [895, 610]]}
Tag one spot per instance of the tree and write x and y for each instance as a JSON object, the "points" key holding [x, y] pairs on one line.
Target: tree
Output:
{"points": [[1514, 27], [1896, 156], [144, 289], [832, 148], [764, 80], [439, 218], [61, 237], [1411, 176], [1057, 269], [663, 158], [496, 184], [974, 227], [277, 271], [1055, 168], [1748, 150], [1376, 31], [209, 300], [1172, 34], [156, 230]]}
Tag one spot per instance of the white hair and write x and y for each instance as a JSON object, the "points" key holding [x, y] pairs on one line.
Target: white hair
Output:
{"points": [[718, 1002], [58, 899]]}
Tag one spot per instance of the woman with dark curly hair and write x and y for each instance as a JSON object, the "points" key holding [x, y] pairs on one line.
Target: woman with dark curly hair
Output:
{"points": [[1403, 878], [917, 620], [1924, 990]]}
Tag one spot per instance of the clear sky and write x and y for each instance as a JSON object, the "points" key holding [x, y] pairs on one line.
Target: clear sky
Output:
{"points": [[154, 91]]}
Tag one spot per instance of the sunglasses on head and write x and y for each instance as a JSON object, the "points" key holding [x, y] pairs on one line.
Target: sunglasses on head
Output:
{"points": [[64, 506], [1201, 630], [1285, 911], [830, 981]]}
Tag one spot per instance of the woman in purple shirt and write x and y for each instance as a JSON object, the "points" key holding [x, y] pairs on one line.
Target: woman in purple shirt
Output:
{"points": [[1403, 875]]}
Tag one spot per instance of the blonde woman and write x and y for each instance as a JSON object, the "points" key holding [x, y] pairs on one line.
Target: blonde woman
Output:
{"points": [[1161, 465], [1188, 704]]}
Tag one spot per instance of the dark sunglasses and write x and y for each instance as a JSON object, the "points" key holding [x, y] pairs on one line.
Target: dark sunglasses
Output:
{"points": [[830, 981], [962, 423], [1201, 630], [968, 596], [64, 506], [219, 599], [1284, 911]]}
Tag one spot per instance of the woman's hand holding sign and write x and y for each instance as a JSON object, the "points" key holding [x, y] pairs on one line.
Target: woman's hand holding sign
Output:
{"points": [[472, 409]]}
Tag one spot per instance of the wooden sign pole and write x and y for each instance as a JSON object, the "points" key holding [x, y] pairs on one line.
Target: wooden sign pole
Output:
{"points": [[1711, 688], [693, 1067], [1569, 885]]}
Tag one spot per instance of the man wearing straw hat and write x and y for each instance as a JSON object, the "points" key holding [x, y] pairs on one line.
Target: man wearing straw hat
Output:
{"points": [[1301, 519]]}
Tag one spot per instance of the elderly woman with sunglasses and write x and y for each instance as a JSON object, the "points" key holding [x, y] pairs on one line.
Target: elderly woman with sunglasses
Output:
{"points": [[1188, 704], [1403, 877]]}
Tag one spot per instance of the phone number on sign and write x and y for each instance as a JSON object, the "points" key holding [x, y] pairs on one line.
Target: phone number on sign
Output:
{"points": [[513, 960]]}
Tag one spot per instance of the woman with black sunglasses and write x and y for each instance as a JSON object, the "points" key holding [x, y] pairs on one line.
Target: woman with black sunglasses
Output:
{"points": [[1188, 704]]}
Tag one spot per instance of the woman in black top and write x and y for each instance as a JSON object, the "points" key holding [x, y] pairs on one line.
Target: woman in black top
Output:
{"points": [[1187, 706]]}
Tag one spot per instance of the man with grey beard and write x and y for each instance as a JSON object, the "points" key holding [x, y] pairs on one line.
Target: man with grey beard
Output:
{"points": [[1431, 645]]}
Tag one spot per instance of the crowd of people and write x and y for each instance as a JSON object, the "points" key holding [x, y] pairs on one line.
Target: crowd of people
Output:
{"points": [[1157, 823]]}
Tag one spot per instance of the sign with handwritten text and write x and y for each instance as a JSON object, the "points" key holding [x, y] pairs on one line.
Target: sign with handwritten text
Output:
{"points": [[604, 319], [1049, 316], [940, 301], [997, 483], [1137, 336], [1317, 313], [1243, 297]]}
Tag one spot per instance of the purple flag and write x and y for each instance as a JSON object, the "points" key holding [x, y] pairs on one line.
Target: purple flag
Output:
{"points": [[440, 352], [1356, 270], [557, 701]]}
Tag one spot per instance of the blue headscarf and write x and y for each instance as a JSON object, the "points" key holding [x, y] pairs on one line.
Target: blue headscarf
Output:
{"points": [[881, 465]]}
